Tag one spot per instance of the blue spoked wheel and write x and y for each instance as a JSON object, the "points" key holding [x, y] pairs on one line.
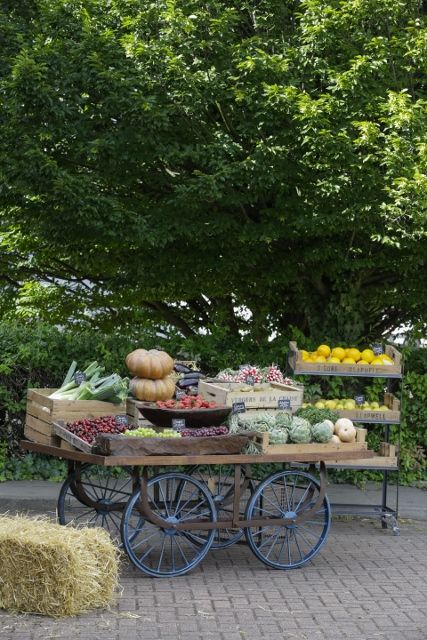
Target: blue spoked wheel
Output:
{"points": [[95, 496], [165, 551], [287, 494], [219, 479]]}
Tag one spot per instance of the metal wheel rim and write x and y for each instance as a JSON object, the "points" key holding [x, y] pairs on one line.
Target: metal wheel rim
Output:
{"points": [[287, 546], [81, 491], [162, 553]]}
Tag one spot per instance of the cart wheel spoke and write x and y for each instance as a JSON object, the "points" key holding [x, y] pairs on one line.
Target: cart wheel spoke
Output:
{"points": [[290, 495], [219, 479], [95, 496], [164, 551]]}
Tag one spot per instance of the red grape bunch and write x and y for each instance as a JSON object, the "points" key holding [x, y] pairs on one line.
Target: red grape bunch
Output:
{"points": [[88, 428]]}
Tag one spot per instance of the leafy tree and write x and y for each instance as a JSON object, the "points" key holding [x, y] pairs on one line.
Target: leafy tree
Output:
{"points": [[236, 168]]}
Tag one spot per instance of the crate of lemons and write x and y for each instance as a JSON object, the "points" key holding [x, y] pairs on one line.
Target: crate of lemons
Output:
{"points": [[351, 355], [347, 404]]}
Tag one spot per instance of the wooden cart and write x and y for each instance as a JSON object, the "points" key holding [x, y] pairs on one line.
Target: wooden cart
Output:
{"points": [[168, 521]]}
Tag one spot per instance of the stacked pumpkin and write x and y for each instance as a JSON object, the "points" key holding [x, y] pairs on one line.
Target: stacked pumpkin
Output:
{"points": [[152, 370]]}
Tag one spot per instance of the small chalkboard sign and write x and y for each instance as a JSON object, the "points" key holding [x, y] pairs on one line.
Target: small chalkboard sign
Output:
{"points": [[377, 348], [238, 407], [180, 393], [122, 420], [284, 403], [79, 377], [250, 380], [178, 423], [359, 400]]}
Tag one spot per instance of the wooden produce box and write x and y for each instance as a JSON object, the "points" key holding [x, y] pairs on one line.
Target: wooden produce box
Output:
{"points": [[299, 366], [134, 415], [70, 441], [118, 445], [389, 417], [313, 447], [228, 393], [42, 411], [385, 458]]}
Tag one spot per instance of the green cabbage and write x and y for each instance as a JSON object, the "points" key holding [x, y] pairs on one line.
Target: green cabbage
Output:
{"points": [[300, 431], [283, 420], [278, 436], [322, 432]]}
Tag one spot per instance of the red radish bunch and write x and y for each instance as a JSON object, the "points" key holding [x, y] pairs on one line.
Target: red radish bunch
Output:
{"points": [[274, 374], [88, 428], [252, 372], [187, 402], [227, 377]]}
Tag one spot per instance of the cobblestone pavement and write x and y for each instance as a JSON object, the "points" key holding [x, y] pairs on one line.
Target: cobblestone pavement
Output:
{"points": [[365, 584]]}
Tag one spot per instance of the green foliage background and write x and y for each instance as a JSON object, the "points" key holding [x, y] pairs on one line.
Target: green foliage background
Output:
{"points": [[176, 163]]}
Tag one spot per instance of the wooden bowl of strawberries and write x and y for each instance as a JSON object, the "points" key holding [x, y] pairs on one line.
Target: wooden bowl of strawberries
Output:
{"points": [[194, 410]]}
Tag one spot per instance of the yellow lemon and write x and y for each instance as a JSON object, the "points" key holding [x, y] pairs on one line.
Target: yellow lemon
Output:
{"points": [[338, 352], [309, 360], [353, 353], [330, 404], [368, 355], [362, 362], [334, 359], [349, 360], [386, 358], [304, 354], [319, 405], [377, 361], [349, 405], [320, 359], [324, 350]]}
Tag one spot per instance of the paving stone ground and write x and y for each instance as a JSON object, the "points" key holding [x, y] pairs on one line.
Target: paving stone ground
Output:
{"points": [[366, 584]]}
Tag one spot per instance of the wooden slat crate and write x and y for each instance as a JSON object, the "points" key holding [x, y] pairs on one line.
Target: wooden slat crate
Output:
{"points": [[390, 417], [228, 393], [313, 447], [298, 365], [42, 411], [135, 417], [69, 440]]}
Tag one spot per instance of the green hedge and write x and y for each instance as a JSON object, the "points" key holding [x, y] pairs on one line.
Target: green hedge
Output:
{"points": [[39, 355]]}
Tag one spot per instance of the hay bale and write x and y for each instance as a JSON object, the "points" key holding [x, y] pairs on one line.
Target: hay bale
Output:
{"points": [[49, 569]]}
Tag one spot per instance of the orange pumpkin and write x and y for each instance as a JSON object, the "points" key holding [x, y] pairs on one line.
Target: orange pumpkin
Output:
{"points": [[151, 364], [152, 390]]}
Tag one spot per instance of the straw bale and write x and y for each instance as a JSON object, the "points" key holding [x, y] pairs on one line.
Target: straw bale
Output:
{"points": [[53, 570]]}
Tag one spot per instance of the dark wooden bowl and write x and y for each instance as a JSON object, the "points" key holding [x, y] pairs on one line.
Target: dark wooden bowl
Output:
{"points": [[193, 417]]}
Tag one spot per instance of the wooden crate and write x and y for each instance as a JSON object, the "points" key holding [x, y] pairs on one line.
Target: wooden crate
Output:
{"points": [[376, 463], [385, 458], [370, 417], [313, 447], [228, 393], [298, 365], [69, 440], [135, 417], [42, 411]]}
